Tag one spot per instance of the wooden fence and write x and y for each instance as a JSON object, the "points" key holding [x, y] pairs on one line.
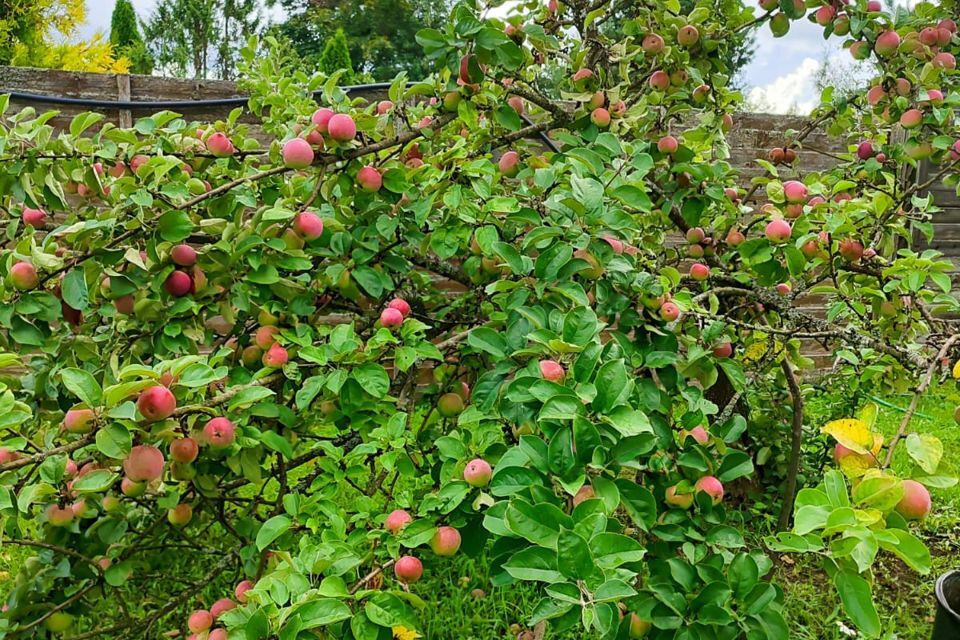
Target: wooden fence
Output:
{"points": [[752, 136]]}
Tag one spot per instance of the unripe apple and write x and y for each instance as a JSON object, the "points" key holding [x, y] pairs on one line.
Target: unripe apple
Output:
{"points": [[688, 35], [240, 592], [509, 164], [699, 271], [795, 191], [679, 77], [582, 74], [275, 357], [200, 621], [297, 154], [264, 337], [825, 15], [156, 403], [132, 489], [184, 450], [24, 276], [695, 235], [600, 117], [723, 350], [221, 606], [79, 420], [860, 50], [445, 542], [111, 504], [369, 179], [477, 473], [552, 370], [784, 288], [875, 95], [180, 515], [58, 622], [918, 150], [779, 25], [183, 255], [903, 87], [59, 516], [887, 43], [668, 144], [308, 225], [251, 356], [769, 5], [342, 128], [408, 569], [682, 500], [851, 250], [178, 284], [735, 237], [321, 118], [384, 106], [218, 145], [397, 520], [400, 305], [778, 231], [36, 218], [660, 80], [638, 627], [712, 487], [700, 93], [911, 119], [916, 503], [144, 463], [669, 312], [810, 249], [695, 251], [390, 318], [450, 405], [516, 103], [652, 43]]}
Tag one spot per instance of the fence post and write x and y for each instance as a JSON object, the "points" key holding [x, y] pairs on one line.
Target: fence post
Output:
{"points": [[123, 94]]}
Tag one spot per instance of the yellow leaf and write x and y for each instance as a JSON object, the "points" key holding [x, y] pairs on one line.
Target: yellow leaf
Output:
{"points": [[402, 633], [755, 351], [856, 465], [852, 433], [956, 370]]}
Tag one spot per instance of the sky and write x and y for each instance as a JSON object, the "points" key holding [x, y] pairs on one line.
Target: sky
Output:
{"points": [[780, 79]]}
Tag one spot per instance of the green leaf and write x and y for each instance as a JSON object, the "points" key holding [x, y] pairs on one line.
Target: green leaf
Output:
{"points": [[573, 555], [95, 481], [175, 226], [534, 563], [373, 378], [509, 480], [610, 550], [278, 443], [858, 602], [114, 441], [639, 503], [926, 451], [908, 548], [83, 385], [271, 530], [488, 340], [74, 290], [612, 385]]}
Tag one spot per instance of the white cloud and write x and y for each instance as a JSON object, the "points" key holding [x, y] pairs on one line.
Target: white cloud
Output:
{"points": [[794, 92]]}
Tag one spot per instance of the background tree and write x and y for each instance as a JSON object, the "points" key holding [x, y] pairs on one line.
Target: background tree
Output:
{"points": [[380, 34], [336, 57], [126, 40], [200, 38]]}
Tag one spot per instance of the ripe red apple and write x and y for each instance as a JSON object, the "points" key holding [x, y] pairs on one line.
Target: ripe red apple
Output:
{"points": [[735, 237], [183, 255], [660, 80], [184, 450], [384, 106], [688, 35], [600, 117], [264, 337], [144, 463], [321, 118], [59, 516], [156, 403], [450, 405], [400, 305], [784, 288], [516, 103], [668, 144], [851, 250], [865, 150], [795, 191], [275, 357], [221, 606], [778, 231], [240, 592], [944, 60], [669, 311], [582, 74], [397, 520], [79, 420], [509, 164], [297, 154], [916, 503], [341, 127], [217, 634], [911, 119], [200, 621], [887, 43], [712, 487], [682, 500], [180, 515], [445, 542], [218, 144], [390, 318], [652, 43], [699, 271], [36, 218], [552, 370], [408, 569], [369, 179], [24, 276], [178, 284], [825, 15], [875, 95], [697, 433], [723, 350], [308, 225], [478, 472]]}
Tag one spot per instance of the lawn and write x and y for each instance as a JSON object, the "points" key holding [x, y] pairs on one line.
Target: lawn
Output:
{"points": [[473, 610]]}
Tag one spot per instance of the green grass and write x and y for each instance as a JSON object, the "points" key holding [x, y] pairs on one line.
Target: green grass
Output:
{"points": [[905, 599]]}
